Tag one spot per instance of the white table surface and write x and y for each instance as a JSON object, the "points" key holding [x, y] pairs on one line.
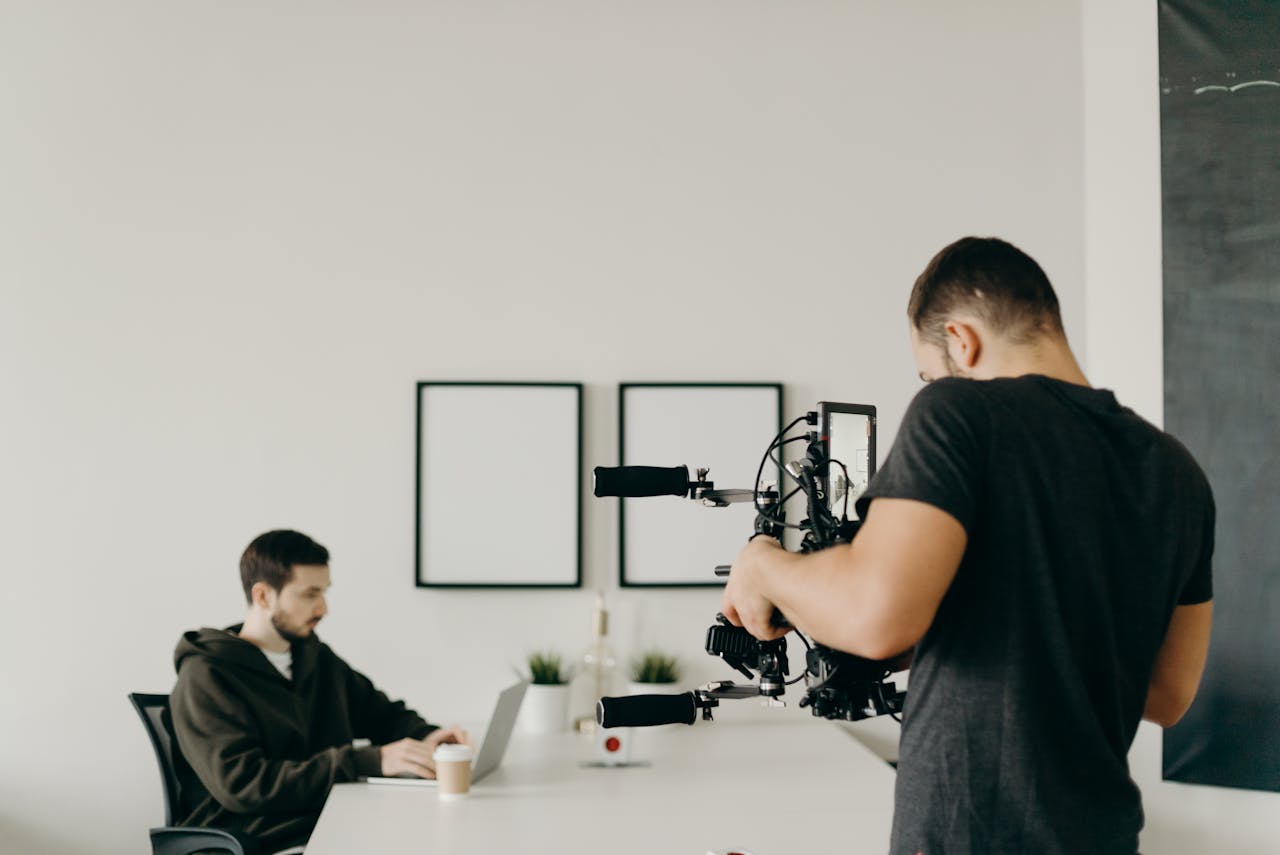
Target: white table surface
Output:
{"points": [[797, 785], [1193, 819]]}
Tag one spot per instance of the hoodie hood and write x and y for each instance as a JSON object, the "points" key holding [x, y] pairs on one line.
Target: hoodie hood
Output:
{"points": [[229, 650]]}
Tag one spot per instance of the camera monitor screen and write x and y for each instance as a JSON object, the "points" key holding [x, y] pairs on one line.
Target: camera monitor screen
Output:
{"points": [[849, 432]]}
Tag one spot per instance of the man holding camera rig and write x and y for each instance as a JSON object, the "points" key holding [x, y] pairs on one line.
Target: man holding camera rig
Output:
{"points": [[1042, 551]]}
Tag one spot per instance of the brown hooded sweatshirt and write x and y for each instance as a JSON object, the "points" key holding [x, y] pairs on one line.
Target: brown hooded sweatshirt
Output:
{"points": [[261, 751]]}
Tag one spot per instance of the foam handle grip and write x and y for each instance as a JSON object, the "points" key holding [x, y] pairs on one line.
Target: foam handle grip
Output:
{"points": [[638, 481], [646, 710]]}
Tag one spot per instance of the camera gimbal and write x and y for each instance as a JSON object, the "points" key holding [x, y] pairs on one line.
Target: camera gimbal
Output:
{"points": [[838, 685]]}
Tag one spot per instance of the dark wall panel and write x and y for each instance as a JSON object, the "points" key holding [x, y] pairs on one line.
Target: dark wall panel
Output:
{"points": [[1220, 148]]}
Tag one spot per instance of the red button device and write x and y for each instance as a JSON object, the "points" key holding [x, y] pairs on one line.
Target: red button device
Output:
{"points": [[612, 744]]}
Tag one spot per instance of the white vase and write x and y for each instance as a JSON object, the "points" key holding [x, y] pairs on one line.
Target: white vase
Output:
{"points": [[545, 708], [634, 688]]}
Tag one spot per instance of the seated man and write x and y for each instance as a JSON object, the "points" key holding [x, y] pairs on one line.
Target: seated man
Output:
{"points": [[265, 713]]}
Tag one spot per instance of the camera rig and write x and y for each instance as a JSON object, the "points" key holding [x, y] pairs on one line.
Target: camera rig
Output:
{"points": [[838, 685]]}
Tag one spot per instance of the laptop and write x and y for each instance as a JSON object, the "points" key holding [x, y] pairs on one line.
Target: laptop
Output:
{"points": [[492, 747]]}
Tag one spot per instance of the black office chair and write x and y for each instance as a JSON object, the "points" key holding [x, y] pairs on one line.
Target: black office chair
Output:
{"points": [[171, 839]]}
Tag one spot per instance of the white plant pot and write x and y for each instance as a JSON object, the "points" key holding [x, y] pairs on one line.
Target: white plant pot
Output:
{"points": [[634, 688], [545, 708]]}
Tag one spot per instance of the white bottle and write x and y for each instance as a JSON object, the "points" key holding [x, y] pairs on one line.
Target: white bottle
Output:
{"points": [[596, 669]]}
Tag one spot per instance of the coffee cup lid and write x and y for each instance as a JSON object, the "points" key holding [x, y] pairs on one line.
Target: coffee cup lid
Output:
{"points": [[452, 751]]}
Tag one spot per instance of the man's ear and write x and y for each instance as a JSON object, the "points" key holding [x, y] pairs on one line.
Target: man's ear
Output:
{"points": [[964, 345], [262, 595]]}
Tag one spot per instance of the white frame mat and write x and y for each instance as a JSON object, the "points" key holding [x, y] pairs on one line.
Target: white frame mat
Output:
{"points": [[666, 541], [499, 485]]}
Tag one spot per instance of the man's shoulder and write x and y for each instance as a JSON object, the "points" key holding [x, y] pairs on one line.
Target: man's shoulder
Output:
{"points": [[1188, 468], [1025, 399], [315, 655], [949, 404], [958, 392], [950, 389], [316, 648]]}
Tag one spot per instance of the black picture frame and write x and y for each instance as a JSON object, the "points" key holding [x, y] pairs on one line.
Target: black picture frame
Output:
{"points": [[492, 516], [660, 522]]}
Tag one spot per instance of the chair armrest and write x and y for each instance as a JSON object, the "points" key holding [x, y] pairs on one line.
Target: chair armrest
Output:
{"points": [[187, 841]]}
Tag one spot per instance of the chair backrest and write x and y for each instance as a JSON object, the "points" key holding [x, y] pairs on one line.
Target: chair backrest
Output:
{"points": [[154, 712]]}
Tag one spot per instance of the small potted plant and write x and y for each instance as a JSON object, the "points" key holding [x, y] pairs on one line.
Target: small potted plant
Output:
{"points": [[545, 708], [654, 673]]}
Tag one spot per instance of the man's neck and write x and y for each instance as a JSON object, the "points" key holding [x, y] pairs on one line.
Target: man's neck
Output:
{"points": [[1051, 359], [259, 632]]}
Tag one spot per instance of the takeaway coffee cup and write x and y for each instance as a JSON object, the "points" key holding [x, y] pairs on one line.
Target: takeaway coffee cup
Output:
{"points": [[453, 769]]}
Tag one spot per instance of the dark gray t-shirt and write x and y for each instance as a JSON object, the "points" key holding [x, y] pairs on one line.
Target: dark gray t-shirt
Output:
{"points": [[1086, 527]]}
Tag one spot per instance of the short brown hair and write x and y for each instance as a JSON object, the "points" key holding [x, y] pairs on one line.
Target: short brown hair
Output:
{"points": [[992, 278], [271, 556]]}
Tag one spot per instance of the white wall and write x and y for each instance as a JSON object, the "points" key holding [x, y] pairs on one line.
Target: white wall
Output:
{"points": [[235, 235], [1123, 279]]}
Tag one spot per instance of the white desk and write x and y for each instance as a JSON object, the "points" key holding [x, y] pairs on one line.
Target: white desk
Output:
{"points": [[798, 785], [1192, 819], [1181, 819]]}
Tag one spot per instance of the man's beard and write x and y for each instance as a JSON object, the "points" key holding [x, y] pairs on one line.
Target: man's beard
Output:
{"points": [[289, 633]]}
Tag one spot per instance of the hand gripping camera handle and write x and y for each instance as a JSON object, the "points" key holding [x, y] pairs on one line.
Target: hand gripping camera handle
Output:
{"points": [[646, 710], [639, 481]]}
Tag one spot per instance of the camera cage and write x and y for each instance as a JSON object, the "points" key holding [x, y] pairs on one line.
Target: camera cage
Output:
{"points": [[838, 685]]}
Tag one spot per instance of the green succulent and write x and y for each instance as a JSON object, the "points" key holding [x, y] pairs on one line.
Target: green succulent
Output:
{"points": [[547, 668], [655, 667]]}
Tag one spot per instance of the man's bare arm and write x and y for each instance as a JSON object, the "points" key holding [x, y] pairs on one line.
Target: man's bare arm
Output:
{"points": [[1179, 664], [875, 597]]}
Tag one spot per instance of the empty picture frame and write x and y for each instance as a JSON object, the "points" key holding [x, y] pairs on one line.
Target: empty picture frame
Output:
{"points": [[667, 541], [499, 485]]}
